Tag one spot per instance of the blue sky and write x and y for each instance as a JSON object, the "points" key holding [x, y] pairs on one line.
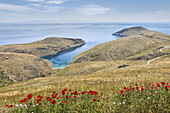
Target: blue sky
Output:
{"points": [[84, 11]]}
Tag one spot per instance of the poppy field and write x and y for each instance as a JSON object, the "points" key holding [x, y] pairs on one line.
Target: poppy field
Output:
{"points": [[136, 98]]}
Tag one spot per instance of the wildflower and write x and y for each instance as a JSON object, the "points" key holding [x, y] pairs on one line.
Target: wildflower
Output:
{"points": [[11, 106], [66, 102], [30, 96], [148, 97], [137, 88], [124, 84], [123, 102], [99, 96], [156, 92], [62, 101], [114, 102], [138, 75], [163, 83], [50, 99], [58, 97], [39, 104], [167, 83], [113, 91], [94, 100], [158, 85], [7, 105], [149, 83], [74, 97], [121, 91], [69, 89], [136, 84], [166, 87], [33, 105], [67, 97], [104, 98], [53, 102]]}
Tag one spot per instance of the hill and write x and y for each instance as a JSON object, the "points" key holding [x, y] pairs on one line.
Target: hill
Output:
{"points": [[19, 67], [48, 46], [133, 47], [132, 31]]}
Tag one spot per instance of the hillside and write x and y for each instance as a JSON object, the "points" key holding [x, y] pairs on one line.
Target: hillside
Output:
{"points": [[19, 67], [132, 31], [48, 46], [133, 47]]}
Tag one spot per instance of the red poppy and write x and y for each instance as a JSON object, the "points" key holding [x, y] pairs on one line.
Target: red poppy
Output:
{"points": [[163, 83], [24, 100], [121, 91], [67, 97], [99, 96], [39, 100], [137, 88], [167, 83], [66, 102], [50, 99], [30, 96], [53, 102], [39, 104], [94, 100], [123, 94], [104, 98], [158, 85], [113, 91], [155, 87], [62, 101], [69, 89], [149, 83], [58, 97], [136, 84], [166, 87], [74, 97], [11, 106], [54, 92], [7, 105]]}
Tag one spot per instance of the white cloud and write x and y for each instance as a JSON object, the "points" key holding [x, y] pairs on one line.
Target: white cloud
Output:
{"points": [[38, 5], [15, 8], [35, 0], [56, 1], [93, 9], [52, 9]]}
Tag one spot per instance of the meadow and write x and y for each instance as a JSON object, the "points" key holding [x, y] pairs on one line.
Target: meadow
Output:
{"points": [[112, 87]]}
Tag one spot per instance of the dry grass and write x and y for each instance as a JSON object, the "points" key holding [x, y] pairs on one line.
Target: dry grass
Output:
{"points": [[105, 80], [19, 67]]}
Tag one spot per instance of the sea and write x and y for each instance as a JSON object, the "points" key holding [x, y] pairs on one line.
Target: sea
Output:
{"points": [[92, 33]]}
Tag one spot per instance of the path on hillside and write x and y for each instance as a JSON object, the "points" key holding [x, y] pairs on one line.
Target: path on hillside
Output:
{"points": [[148, 62]]}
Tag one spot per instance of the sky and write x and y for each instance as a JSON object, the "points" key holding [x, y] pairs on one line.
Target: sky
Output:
{"points": [[84, 11]]}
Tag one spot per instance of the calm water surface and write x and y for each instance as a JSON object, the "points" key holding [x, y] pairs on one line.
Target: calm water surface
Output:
{"points": [[93, 34]]}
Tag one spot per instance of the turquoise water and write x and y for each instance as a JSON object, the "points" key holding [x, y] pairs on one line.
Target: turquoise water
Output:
{"points": [[93, 34]]}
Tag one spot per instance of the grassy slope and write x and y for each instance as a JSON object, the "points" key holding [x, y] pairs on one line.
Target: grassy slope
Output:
{"points": [[126, 48], [17, 67], [48, 46], [105, 80]]}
